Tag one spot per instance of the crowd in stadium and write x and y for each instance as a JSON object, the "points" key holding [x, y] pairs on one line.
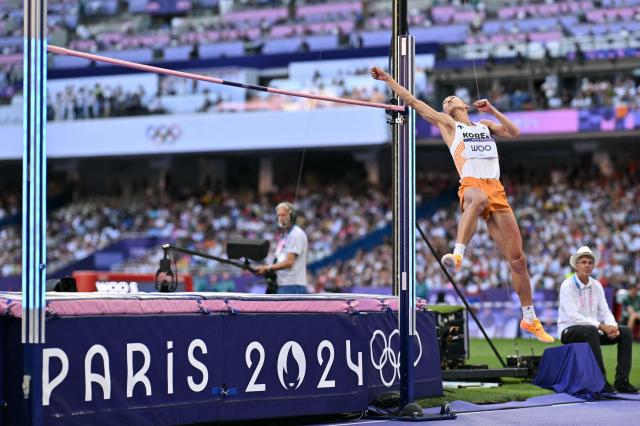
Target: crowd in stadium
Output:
{"points": [[617, 92], [595, 207], [131, 161], [103, 101], [81, 228], [215, 22], [98, 102], [334, 216], [555, 217], [209, 22], [9, 204]]}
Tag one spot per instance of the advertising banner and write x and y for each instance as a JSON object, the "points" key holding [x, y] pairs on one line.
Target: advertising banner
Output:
{"points": [[206, 132], [529, 122], [273, 130], [180, 369]]}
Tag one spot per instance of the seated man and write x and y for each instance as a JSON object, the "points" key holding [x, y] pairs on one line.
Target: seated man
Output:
{"points": [[631, 308], [584, 316]]}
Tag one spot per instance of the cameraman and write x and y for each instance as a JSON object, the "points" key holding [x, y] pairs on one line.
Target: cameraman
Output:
{"points": [[290, 263]]}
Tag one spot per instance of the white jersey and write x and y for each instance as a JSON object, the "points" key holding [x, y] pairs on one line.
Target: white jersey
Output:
{"points": [[474, 152], [294, 242], [581, 304]]}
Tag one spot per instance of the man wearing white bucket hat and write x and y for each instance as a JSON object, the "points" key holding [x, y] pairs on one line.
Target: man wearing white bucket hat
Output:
{"points": [[584, 316]]}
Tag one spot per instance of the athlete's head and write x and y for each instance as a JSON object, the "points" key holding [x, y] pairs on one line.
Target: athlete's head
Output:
{"points": [[453, 103]]}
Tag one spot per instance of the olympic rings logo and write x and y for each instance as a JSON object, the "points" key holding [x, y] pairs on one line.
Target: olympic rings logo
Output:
{"points": [[389, 356], [163, 134]]}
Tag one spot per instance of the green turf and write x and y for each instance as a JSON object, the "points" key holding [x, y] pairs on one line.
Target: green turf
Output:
{"points": [[516, 389], [445, 309]]}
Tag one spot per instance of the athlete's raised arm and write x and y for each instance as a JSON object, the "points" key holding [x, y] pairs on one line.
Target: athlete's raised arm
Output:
{"points": [[442, 120], [506, 127]]}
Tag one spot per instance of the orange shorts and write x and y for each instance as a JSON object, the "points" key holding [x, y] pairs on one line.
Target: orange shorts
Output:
{"points": [[492, 188]]}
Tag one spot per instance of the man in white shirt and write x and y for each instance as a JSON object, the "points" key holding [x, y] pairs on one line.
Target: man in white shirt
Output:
{"points": [[584, 316], [290, 263]]}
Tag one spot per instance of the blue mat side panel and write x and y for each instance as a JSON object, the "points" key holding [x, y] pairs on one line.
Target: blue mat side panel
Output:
{"points": [[177, 369], [384, 372]]}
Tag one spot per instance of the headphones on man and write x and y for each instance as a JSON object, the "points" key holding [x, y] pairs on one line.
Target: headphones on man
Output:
{"points": [[292, 211]]}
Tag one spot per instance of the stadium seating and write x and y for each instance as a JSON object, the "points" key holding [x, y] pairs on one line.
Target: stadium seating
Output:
{"points": [[551, 218], [208, 31]]}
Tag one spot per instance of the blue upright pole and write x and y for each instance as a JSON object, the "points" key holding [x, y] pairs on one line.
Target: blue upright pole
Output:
{"points": [[34, 206], [404, 219]]}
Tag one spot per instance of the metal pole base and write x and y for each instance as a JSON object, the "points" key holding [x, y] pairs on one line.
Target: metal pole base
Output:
{"points": [[412, 409], [412, 412]]}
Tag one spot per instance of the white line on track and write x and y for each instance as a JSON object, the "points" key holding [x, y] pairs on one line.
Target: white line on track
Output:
{"points": [[567, 404]]}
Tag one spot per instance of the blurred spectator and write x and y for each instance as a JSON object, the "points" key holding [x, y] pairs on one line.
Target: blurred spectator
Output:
{"points": [[201, 281], [226, 284], [631, 307]]}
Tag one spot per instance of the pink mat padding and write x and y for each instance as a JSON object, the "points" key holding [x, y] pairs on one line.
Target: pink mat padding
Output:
{"points": [[231, 303], [121, 307], [15, 309], [215, 305], [392, 303], [290, 306], [4, 306], [368, 305]]}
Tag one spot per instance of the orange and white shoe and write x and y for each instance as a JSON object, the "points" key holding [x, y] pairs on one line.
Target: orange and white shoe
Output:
{"points": [[536, 329], [452, 262]]}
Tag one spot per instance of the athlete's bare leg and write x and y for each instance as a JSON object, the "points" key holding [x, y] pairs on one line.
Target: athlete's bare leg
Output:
{"points": [[504, 230], [473, 204]]}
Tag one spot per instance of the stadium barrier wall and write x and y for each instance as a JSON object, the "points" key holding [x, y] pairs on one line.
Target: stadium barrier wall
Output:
{"points": [[268, 130]]}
